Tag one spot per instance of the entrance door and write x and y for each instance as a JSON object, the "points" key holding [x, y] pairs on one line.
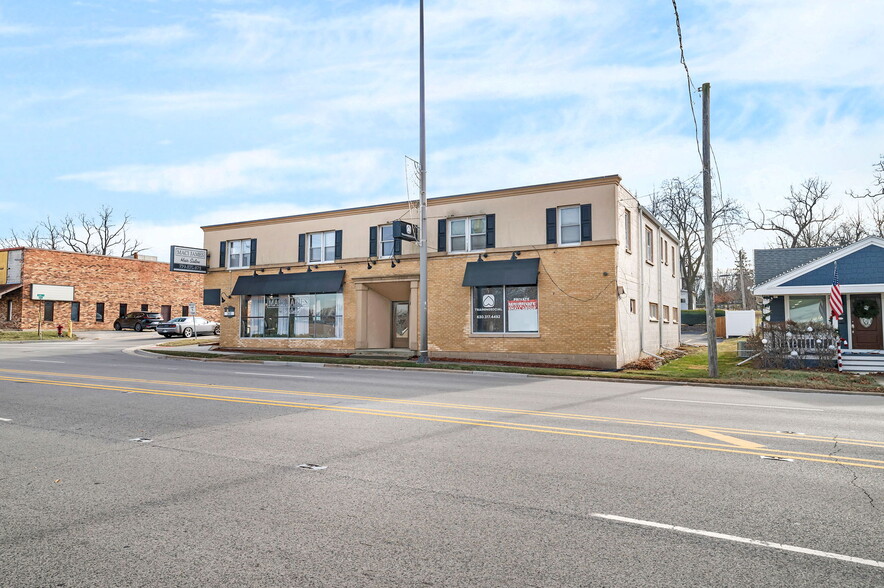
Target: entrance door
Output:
{"points": [[400, 324], [867, 332]]}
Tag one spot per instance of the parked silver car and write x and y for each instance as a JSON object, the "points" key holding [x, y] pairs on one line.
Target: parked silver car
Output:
{"points": [[188, 326]]}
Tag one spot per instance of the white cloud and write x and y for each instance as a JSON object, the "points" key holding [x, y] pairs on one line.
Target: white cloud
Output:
{"points": [[252, 172], [148, 36]]}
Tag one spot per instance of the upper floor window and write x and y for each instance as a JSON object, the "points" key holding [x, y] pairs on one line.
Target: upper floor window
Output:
{"points": [[321, 247], [672, 248], [649, 244], [653, 311], [466, 234], [386, 241], [569, 225], [239, 253], [627, 230]]}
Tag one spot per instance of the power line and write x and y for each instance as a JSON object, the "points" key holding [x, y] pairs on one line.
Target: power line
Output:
{"points": [[689, 81]]}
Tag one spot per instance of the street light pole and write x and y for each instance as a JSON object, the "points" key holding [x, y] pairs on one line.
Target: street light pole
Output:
{"points": [[423, 354]]}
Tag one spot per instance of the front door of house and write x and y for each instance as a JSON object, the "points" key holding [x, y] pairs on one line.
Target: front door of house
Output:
{"points": [[867, 333], [400, 324]]}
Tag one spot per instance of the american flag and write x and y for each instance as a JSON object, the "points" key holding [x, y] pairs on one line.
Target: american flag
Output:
{"points": [[835, 297]]}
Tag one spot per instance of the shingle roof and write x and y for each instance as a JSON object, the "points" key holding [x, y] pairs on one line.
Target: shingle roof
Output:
{"points": [[770, 263]]}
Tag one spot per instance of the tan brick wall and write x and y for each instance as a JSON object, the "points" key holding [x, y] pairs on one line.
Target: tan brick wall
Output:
{"points": [[577, 307], [111, 280]]}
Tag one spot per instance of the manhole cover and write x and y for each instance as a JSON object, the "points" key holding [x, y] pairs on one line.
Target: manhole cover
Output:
{"points": [[141, 440], [776, 458], [311, 466]]}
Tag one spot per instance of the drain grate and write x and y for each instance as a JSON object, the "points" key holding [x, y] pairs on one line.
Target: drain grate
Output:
{"points": [[311, 466], [776, 458], [141, 440]]}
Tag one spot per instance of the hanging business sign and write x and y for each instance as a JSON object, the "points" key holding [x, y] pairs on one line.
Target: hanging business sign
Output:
{"points": [[188, 259], [405, 231]]}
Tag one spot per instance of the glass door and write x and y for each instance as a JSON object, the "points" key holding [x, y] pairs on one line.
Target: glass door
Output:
{"points": [[400, 324]]}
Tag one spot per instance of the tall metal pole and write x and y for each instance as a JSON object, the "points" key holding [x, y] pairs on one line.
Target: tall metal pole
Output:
{"points": [[712, 347], [423, 354]]}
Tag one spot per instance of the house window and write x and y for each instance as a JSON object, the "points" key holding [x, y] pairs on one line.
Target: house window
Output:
{"points": [[9, 310], [569, 225], [673, 260], [185, 310], [665, 249], [653, 311], [124, 309], [807, 309], [505, 309], [144, 307], [48, 310], [466, 234], [321, 247], [627, 230], [239, 253], [665, 314], [649, 244], [386, 232], [75, 312], [99, 312], [295, 316], [632, 305]]}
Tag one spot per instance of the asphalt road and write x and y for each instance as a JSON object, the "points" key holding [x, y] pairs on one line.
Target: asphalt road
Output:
{"points": [[429, 479]]}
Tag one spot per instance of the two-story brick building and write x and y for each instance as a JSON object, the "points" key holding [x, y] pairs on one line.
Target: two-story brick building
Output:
{"points": [[572, 273], [89, 291]]}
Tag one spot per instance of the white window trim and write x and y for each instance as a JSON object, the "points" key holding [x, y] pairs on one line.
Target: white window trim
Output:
{"points": [[627, 230], [651, 317], [560, 226], [649, 258], [467, 234], [229, 252], [323, 233], [788, 311], [381, 242]]}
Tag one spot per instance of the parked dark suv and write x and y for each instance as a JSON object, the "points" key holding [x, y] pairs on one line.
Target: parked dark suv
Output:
{"points": [[138, 321]]}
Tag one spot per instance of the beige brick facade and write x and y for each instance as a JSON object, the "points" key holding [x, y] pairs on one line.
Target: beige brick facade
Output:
{"points": [[583, 288], [99, 279]]}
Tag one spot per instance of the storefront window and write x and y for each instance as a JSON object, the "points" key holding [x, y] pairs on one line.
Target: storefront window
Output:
{"points": [[302, 316], [807, 309], [505, 309]]}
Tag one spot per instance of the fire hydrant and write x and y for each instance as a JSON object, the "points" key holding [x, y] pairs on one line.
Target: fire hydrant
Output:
{"points": [[59, 328]]}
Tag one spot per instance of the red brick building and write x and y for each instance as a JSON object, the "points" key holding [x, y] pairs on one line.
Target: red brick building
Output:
{"points": [[104, 288]]}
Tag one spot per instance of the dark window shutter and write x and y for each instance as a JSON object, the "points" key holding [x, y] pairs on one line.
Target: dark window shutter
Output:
{"points": [[551, 238], [586, 222], [443, 238], [253, 256], [222, 258], [302, 247], [489, 231], [339, 244], [372, 241], [397, 245]]}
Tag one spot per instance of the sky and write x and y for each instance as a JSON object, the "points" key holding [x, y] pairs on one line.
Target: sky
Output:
{"points": [[184, 113]]}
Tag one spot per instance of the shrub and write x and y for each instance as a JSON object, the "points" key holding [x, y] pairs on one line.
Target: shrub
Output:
{"points": [[698, 316]]}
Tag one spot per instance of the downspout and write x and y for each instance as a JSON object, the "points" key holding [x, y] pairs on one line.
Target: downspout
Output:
{"points": [[641, 282], [660, 291]]}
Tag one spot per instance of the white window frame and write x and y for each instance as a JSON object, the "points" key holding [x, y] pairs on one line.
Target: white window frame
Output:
{"points": [[649, 245], [324, 247], [244, 256], [560, 226], [673, 260], [665, 313], [381, 241], [627, 230], [653, 311], [468, 234]]}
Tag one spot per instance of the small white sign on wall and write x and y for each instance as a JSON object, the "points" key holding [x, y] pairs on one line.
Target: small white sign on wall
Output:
{"points": [[49, 292]]}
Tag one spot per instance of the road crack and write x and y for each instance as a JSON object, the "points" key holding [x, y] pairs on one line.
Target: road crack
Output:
{"points": [[853, 482]]}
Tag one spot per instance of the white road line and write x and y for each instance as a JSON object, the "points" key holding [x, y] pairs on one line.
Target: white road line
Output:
{"points": [[46, 361], [6, 420], [734, 404], [276, 375], [780, 546]]}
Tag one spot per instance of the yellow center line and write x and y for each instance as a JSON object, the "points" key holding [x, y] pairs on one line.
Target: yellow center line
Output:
{"points": [[841, 459], [478, 408]]}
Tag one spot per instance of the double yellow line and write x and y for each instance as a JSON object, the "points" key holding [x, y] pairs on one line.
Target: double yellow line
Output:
{"points": [[728, 444]]}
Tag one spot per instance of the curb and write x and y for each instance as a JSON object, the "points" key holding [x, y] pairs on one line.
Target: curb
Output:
{"points": [[143, 352]]}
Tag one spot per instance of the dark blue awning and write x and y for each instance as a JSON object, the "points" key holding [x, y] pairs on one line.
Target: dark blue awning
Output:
{"points": [[512, 272], [316, 282]]}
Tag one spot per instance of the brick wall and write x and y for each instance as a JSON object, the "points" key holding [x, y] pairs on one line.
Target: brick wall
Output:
{"points": [[111, 280]]}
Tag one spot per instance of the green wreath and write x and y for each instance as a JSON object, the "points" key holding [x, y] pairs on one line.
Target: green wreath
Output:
{"points": [[867, 309]]}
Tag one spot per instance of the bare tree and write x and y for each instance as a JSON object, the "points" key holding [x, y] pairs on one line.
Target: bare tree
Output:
{"points": [[877, 189], [850, 230], [876, 220], [804, 221], [679, 206], [100, 234]]}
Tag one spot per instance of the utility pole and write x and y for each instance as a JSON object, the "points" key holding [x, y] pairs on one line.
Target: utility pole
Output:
{"points": [[741, 267], [423, 353], [712, 347]]}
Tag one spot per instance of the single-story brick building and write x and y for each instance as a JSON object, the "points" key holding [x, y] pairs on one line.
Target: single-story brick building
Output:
{"points": [[89, 291]]}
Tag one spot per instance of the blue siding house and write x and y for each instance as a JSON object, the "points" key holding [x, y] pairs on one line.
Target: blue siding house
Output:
{"points": [[797, 282]]}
